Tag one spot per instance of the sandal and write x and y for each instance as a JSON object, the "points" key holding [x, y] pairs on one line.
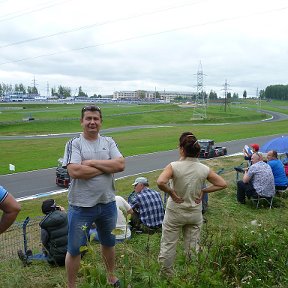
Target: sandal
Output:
{"points": [[116, 284]]}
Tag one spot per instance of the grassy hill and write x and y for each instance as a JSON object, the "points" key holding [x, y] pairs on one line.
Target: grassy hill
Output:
{"points": [[241, 247]]}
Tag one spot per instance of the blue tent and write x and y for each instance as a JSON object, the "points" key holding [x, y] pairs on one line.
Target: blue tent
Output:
{"points": [[279, 144]]}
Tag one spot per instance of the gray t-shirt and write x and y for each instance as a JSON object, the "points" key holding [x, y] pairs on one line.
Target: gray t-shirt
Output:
{"points": [[99, 189]]}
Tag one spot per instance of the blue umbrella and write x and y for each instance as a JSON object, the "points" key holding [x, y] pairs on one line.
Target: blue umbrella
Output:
{"points": [[279, 144]]}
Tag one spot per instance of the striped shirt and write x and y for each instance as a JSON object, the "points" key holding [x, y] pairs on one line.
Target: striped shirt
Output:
{"points": [[3, 194]]}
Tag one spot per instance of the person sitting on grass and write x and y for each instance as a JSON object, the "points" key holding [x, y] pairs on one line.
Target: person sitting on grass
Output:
{"points": [[280, 179], [147, 206], [258, 180], [54, 232], [123, 231]]}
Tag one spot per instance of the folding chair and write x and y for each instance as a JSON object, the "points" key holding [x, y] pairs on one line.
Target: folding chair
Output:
{"points": [[282, 193], [260, 199]]}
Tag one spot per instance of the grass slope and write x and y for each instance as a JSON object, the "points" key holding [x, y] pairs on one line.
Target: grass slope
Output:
{"points": [[241, 247]]}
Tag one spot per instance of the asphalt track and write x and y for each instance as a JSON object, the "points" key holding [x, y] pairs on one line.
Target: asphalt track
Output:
{"points": [[42, 182]]}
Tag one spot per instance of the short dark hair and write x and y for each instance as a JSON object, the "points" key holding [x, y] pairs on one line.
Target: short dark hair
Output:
{"points": [[274, 154], [189, 143], [91, 108], [48, 206]]}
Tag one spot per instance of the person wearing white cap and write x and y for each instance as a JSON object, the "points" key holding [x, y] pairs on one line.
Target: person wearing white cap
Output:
{"points": [[147, 205]]}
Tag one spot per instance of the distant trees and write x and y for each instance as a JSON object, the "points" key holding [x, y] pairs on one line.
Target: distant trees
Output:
{"points": [[262, 94], [245, 94], [19, 88], [277, 92], [8, 88], [81, 93], [141, 94], [60, 91], [178, 98], [32, 90], [212, 95], [4, 89]]}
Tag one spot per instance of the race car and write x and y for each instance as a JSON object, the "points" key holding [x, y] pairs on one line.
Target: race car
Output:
{"points": [[62, 175], [208, 150]]}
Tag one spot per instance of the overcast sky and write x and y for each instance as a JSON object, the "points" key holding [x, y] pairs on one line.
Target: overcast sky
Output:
{"points": [[113, 45]]}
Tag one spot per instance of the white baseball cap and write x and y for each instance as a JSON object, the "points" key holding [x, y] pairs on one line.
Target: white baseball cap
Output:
{"points": [[142, 180]]}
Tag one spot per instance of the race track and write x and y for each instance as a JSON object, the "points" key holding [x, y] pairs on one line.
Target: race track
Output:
{"points": [[43, 181]]}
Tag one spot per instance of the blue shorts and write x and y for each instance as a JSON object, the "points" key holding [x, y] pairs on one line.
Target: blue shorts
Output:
{"points": [[80, 220]]}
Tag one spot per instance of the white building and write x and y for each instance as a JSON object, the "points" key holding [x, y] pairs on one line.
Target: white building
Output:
{"points": [[165, 96]]}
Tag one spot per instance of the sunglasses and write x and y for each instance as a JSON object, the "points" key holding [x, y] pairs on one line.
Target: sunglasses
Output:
{"points": [[91, 108]]}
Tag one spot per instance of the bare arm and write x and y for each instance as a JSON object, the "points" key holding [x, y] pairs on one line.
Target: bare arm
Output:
{"points": [[78, 171], [107, 166], [218, 183], [162, 183], [10, 208], [245, 153], [246, 178], [130, 211]]}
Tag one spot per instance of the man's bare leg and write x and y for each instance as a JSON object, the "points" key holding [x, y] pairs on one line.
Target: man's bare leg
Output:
{"points": [[72, 264], [108, 254]]}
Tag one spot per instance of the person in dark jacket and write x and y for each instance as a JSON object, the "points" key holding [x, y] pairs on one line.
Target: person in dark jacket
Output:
{"points": [[54, 232]]}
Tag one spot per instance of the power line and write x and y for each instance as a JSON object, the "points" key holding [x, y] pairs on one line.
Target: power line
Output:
{"points": [[142, 36], [31, 11], [97, 25]]}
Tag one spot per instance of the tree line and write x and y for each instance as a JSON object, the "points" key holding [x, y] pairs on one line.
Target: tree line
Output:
{"points": [[59, 92], [277, 92], [8, 89]]}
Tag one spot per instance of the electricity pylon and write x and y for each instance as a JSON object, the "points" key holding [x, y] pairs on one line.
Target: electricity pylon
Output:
{"points": [[200, 107]]}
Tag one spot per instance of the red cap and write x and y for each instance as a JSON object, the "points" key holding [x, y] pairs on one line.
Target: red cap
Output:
{"points": [[255, 146]]}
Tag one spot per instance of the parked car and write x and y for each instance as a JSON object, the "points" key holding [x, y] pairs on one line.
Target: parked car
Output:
{"points": [[62, 175], [208, 150]]}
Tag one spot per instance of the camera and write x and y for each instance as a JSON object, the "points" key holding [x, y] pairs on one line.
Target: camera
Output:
{"points": [[239, 169]]}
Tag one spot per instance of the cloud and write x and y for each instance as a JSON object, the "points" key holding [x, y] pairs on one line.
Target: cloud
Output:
{"points": [[128, 45]]}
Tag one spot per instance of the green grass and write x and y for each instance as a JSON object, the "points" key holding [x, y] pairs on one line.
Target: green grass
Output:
{"points": [[34, 154], [62, 118], [57, 120], [235, 253]]}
